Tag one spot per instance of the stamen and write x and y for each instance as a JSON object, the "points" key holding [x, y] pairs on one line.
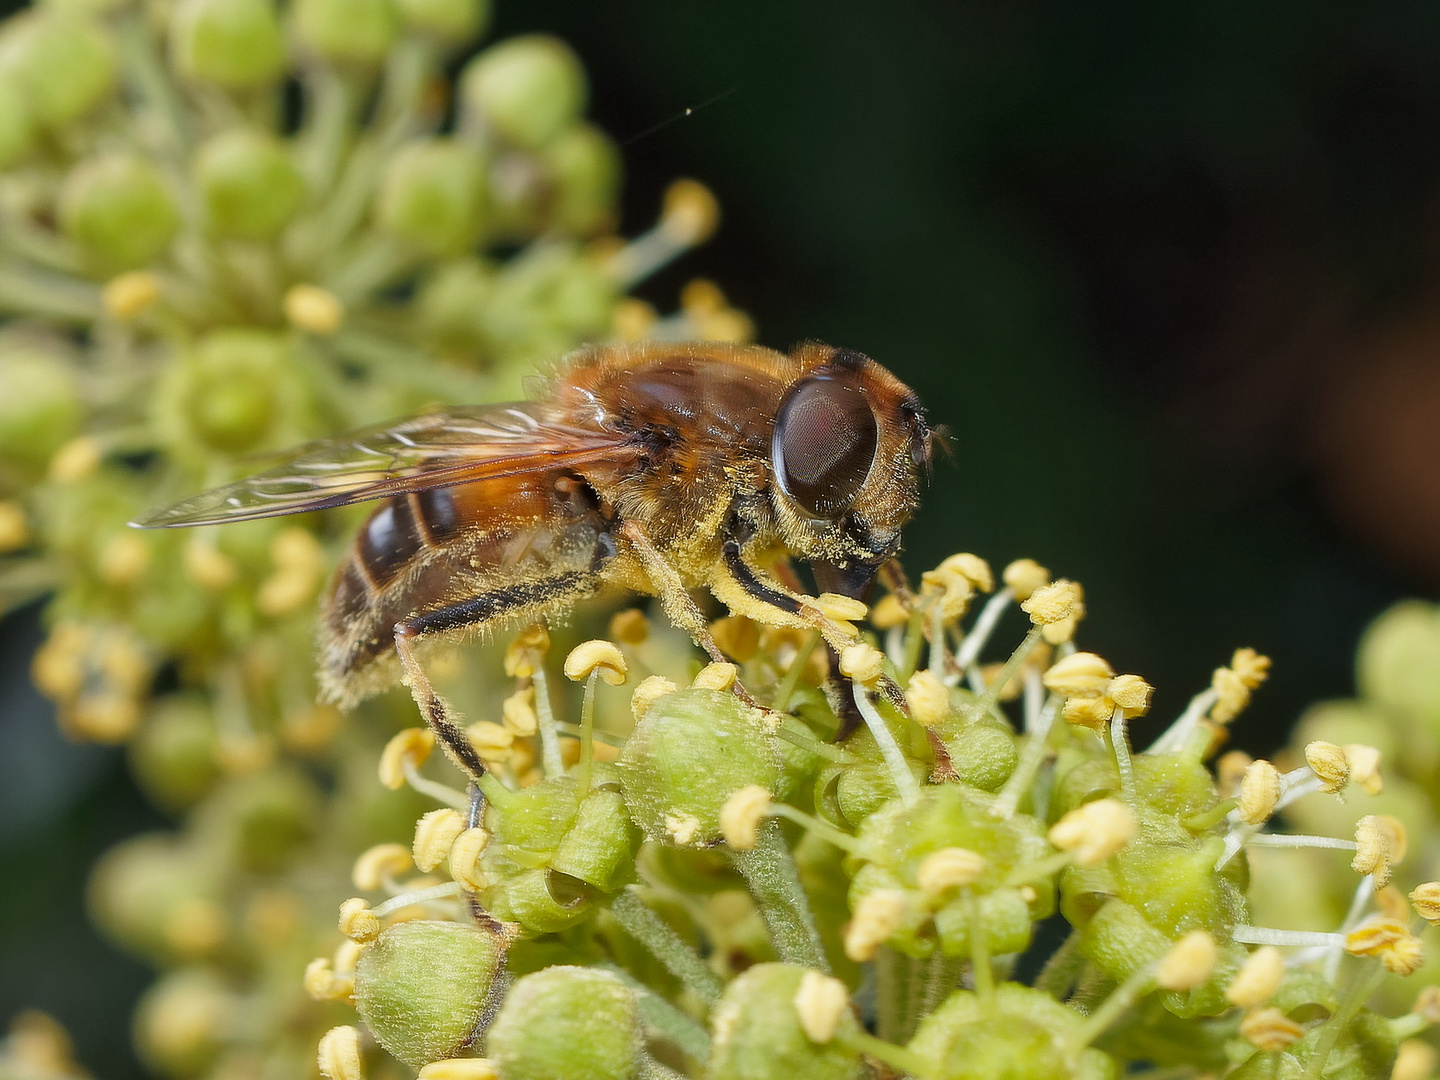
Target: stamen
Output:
{"points": [[889, 750]]}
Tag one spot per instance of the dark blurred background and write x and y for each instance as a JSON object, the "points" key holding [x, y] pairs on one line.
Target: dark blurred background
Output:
{"points": [[1168, 273]]}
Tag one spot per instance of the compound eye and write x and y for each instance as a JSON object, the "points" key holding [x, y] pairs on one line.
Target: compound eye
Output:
{"points": [[824, 444]]}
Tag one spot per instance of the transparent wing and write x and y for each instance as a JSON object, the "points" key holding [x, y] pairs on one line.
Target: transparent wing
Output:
{"points": [[448, 446]]}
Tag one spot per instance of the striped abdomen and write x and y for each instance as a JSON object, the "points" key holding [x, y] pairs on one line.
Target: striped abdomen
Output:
{"points": [[457, 557]]}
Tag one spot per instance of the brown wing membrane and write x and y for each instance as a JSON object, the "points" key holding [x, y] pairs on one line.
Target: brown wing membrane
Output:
{"points": [[449, 446]]}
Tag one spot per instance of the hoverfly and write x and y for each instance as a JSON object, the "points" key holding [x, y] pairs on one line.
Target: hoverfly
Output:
{"points": [[656, 467]]}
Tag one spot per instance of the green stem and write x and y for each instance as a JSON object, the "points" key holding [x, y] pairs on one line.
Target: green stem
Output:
{"points": [[550, 755], [29, 291], [667, 946], [786, 690], [1031, 758], [1118, 744], [986, 701], [1361, 987], [821, 828], [814, 746], [1061, 970], [895, 761], [1113, 1007], [900, 1058], [774, 882], [663, 1017], [1039, 870], [888, 1006], [587, 732]]}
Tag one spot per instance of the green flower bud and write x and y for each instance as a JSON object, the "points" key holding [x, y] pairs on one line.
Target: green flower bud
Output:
{"points": [[697, 870], [526, 90], [65, 65], [689, 753], [119, 209], [174, 753], [422, 987], [1019, 1034], [567, 1023], [453, 22], [433, 196], [585, 170], [541, 900], [232, 43], [249, 185], [158, 898], [227, 387], [982, 752], [1399, 662], [546, 299], [183, 1021], [599, 848], [756, 1032], [449, 305], [261, 819], [17, 126], [347, 31], [895, 842], [40, 407]]}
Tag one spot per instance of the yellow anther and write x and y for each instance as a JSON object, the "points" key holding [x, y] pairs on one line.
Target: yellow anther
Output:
{"points": [[1081, 674], [821, 1002], [285, 592], [877, 916], [1372, 850], [929, 698], [1391, 903], [492, 741], [1415, 1059], [323, 984], [1397, 839], [1258, 979], [357, 921], [1131, 693], [690, 213], [1188, 963], [650, 690], [682, 828], [1024, 576], [1259, 792], [1427, 1004], [524, 653], [465, 858], [1327, 761], [599, 656], [296, 548], [1364, 767], [971, 567], [716, 676], [1426, 899], [841, 608], [1252, 667], [701, 296], [198, 926], [77, 460], [632, 319], [863, 663], [378, 863], [104, 717], [339, 1054], [1053, 603], [629, 627], [1094, 713], [517, 712], [947, 869], [741, 815], [14, 527], [1094, 831], [412, 745], [208, 566], [1232, 695], [954, 591], [128, 296], [737, 637], [37, 1046], [461, 1069], [1013, 685], [435, 832], [313, 309], [347, 955], [1269, 1029], [1389, 939], [124, 558], [888, 612]]}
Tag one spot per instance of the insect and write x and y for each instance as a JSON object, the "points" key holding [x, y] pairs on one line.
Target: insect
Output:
{"points": [[656, 467]]}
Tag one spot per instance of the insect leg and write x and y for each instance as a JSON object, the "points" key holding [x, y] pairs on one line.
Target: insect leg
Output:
{"points": [[505, 601]]}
